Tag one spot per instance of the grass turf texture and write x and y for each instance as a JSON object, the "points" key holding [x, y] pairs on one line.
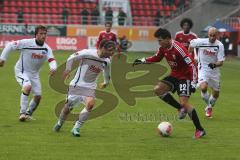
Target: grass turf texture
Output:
{"points": [[126, 132]]}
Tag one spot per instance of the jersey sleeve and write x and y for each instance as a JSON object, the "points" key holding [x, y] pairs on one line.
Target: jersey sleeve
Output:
{"points": [[15, 45], [99, 40], [195, 43], [51, 60], [74, 57], [106, 72], [190, 62], [156, 58], [221, 55], [176, 37]]}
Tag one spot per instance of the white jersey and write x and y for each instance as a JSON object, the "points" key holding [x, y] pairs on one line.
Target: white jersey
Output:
{"points": [[208, 53], [32, 55], [90, 65]]}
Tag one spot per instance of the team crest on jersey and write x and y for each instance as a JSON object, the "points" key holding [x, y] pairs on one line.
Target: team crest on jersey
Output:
{"points": [[187, 60]]}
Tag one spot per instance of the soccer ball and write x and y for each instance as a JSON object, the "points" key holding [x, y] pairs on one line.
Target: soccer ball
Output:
{"points": [[165, 129]]}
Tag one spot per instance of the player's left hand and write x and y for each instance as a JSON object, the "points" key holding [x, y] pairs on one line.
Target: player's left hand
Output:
{"points": [[212, 65], [102, 85], [1, 63]]}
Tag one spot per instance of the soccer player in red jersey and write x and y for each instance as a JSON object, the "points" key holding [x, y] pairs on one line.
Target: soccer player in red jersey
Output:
{"points": [[186, 35], [183, 76], [107, 34]]}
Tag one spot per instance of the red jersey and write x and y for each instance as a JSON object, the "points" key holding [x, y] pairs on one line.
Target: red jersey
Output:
{"points": [[181, 62], [106, 35], [185, 39]]}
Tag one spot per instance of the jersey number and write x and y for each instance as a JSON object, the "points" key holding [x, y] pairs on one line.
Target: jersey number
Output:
{"points": [[183, 87]]}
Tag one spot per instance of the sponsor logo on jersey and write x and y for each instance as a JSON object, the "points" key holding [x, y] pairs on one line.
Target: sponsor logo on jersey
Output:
{"points": [[172, 63], [209, 52], [37, 56], [95, 69]]}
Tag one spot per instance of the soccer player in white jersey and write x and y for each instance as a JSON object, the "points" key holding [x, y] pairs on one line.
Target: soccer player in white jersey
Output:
{"points": [[82, 87], [210, 58], [34, 52]]}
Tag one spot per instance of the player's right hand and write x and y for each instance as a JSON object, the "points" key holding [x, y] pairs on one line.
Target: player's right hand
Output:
{"points": [[1, 63], [138, 61], [193, 87], [212, 65], [66, 74]]}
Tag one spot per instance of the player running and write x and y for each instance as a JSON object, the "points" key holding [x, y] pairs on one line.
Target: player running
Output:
{"points": [[210, 58], [182, 78], [34, 52], [82, 87]]}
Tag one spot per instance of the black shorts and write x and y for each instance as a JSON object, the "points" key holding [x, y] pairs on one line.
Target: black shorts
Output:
{"points": [[183, 87]]}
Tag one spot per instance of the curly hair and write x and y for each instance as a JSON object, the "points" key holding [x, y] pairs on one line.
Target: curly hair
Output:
{"points": [[186, 20]]}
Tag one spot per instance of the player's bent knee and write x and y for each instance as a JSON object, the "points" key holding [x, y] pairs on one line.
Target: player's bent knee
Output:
{"points": [[204, 87], [37, 99], [27, 89], [158, 90], [90, 107]]}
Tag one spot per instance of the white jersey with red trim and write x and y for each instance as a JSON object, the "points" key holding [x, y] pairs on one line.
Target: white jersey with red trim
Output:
{"points": [[32, 55], [90, 65], [208, 53]]}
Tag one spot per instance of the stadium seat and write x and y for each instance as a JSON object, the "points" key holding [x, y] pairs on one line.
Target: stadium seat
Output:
{"points": [[139, 8]]}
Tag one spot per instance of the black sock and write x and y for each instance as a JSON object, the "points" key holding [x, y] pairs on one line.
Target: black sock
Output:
{"points": [[193, 115], [168, 98]]}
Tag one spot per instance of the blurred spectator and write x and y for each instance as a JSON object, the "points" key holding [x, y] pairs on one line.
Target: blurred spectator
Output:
{"points": [[1, 3], [124, 43], [225, 39], [109, 15], [121, 17], [95, 16], [65, 13], [84, 15], [157, 18], [25, 29], [20, 15]]}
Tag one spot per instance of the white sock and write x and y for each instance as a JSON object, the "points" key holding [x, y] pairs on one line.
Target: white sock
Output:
{"points": [[205, 97], [32, 106], [212, 101], [82, 118], [23, 103]]}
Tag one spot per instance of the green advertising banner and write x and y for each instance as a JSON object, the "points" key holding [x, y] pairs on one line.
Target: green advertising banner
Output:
{"points": [[23, 29]]}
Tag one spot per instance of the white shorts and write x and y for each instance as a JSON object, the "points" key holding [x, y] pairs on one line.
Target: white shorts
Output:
{"points": [[26, 78], [74, 100], [213, 80]]}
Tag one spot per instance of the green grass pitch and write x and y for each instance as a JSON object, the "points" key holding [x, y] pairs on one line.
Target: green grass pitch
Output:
{"points": [[126, 132]]}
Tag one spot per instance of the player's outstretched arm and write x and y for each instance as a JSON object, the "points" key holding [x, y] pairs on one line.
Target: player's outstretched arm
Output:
{"points": [[66, 74], [106, 76]]}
